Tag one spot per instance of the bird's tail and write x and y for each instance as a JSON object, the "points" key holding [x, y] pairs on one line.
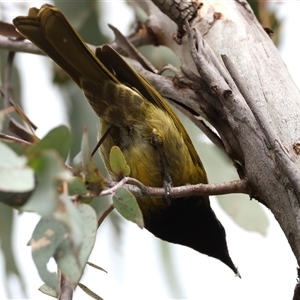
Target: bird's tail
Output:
{"points": [[48, 28]]}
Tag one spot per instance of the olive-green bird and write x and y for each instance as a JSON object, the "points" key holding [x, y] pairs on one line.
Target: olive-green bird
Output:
{"points": [[122, 97]]}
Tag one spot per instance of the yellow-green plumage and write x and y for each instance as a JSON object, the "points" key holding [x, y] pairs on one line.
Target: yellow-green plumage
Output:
{"points": [[122, 97]]}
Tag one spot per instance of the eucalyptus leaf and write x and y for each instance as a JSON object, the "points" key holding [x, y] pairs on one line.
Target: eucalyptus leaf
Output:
{"points": [[49, 169], [6, 241], [2, 118], [46, 238], [118, 162], [69, 238], [92, 294], [15, 175], [126, 204], [72, 261], [58, 139], [45, 289], [96, 266], [77, 187], [68, 215]]}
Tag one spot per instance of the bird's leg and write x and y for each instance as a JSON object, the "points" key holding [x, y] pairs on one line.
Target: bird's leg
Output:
{"points": [[102, 139], [167, 182]]}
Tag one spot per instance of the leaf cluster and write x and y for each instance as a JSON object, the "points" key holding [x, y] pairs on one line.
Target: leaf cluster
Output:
{"points": [[35, 178]]}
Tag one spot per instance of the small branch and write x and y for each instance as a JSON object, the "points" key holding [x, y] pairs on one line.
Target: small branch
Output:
{"points": [[8, 110], [19, 130], [66, 289], [7, 78], [14, 139], [142, 191], [115, 187], [105, 214], [130, 49], [14, 125], [19, 46], [9, 30]]}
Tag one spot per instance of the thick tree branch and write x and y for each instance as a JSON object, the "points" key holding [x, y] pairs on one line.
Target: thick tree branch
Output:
{"points": [[179, 11]]}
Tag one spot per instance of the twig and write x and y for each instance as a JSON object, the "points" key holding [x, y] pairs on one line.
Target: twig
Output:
{"points": [[7, 78], [13, 139], [105, 214], [9, 30], [129, 48], [8, 110], [14, 126], [142, 191], [115, 187], [19, 46], [18, 129], [139, 36], [66, 289]]}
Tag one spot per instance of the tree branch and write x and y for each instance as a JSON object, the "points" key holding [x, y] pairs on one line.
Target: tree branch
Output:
{"points": [[141, 191]]}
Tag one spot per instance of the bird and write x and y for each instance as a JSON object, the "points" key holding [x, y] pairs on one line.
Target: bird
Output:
{"points": [[151, 137]]}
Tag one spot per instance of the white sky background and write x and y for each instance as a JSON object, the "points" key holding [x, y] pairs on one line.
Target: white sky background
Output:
{"points": [[267, 265]]}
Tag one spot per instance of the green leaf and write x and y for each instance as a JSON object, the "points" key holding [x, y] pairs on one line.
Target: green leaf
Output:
{"points": [[69, 237], [6, 241], [48, 235], [89, 292], [125, 203], [49, 169], [96, 266], [77, 187], [58, 139], [68, 215], [45, 289], [118, 162], [85, 149], [71, 262], [15, 175], [2, 118]]}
